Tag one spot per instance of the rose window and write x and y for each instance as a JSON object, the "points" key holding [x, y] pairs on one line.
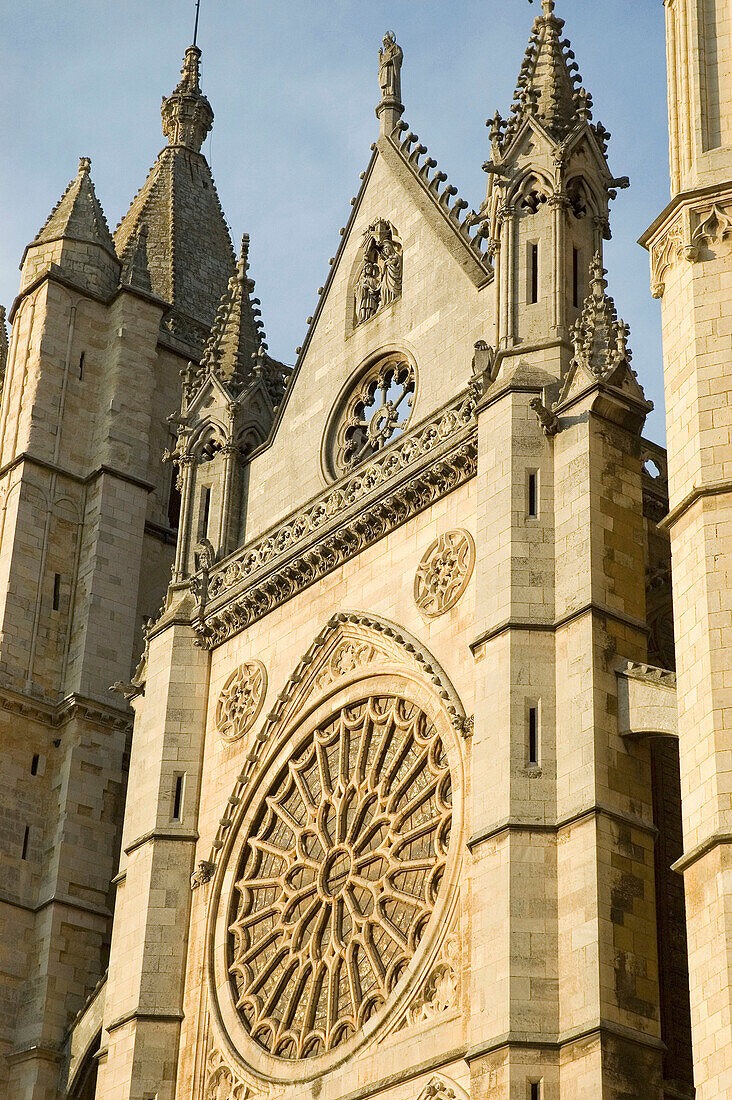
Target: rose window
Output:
{"points": [[339, 874], [376, 412]]}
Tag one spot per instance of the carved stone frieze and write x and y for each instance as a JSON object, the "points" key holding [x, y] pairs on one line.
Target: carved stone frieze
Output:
{"points": [[358, 510], [444, 572], [241, 700]]}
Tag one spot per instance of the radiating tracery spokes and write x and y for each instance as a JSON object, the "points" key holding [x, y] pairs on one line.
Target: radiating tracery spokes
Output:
{"points": [[339, 874]]}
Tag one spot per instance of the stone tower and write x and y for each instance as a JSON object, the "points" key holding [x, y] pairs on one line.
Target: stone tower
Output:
{"points": [[398, 823], [101, 329], [690, 246]]}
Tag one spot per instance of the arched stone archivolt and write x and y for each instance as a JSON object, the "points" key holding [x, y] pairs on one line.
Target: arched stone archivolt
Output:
{"points": [[339, 865]]}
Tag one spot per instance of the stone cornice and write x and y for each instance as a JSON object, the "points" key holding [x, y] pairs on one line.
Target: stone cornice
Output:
{"points": [[361, 508], [59, 714], [684, 198], [699, 492], [80, 479]]}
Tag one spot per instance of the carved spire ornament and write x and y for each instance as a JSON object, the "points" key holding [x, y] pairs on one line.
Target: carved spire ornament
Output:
{"points": [[187, 114]]}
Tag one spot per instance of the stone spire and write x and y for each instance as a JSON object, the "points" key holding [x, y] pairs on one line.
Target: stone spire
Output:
{"points": [[187, 114], [390, 108], [188, 249], [549, 85], [77, 215], [75, 238], [236, 350]]}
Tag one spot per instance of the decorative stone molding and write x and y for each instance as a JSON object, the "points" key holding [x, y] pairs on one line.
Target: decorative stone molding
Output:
{"points": [[241, 700], [444, 572], [714, 228], [379, 280], [222, 1083], [398, 483], [665, 252], [366, 639]]}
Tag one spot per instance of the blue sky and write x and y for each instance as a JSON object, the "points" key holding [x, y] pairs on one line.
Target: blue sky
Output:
{"points": [[293, 86]]}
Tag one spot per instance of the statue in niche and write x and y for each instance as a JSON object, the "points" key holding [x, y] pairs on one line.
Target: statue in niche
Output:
{"points": [[390, 66], [380, 276]]}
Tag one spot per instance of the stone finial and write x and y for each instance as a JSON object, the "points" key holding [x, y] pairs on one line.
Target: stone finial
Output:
{"points": [[84, 165], [390, 108], [600, 339], [186, 113]]}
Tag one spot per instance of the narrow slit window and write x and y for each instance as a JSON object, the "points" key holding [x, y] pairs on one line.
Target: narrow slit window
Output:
{"points": [[81, 365], [535, 1091], [178, 797], [533, 272], [56, 591], [575, 278], [174, 500], [26, 837], [532, 496], [203, 513], [533, 719], [34, 763]]}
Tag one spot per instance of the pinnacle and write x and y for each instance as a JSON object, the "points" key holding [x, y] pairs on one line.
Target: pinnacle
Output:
{"points": [[78, 214], [549, 84], [599, 337], [236, 350]]}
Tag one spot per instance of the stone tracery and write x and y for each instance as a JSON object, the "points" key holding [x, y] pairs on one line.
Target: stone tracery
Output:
{"points": [[241, 700], [377, 412], [339, 876], [443, 573]]}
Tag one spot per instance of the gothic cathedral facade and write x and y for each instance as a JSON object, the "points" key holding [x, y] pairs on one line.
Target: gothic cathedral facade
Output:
{"points": [[402, 799]]}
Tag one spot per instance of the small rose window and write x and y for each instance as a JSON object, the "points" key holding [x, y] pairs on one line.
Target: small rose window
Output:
{"points": [[375, 413]]}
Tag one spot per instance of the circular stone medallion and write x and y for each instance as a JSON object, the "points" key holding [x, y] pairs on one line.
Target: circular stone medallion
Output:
{"points": [[241, 700], [443, 573]]}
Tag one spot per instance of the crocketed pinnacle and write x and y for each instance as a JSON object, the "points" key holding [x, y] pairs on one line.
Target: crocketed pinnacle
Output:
{"points": [[549, 85], [78, 214], [600, 339], [187, 114], [236, 350]]}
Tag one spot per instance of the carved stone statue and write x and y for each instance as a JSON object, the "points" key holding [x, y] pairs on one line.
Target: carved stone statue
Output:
{"points": [[391, 283], [379, 280], [368, 291], [390, 65]]}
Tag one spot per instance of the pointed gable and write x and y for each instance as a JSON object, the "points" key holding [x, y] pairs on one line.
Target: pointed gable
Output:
{"points": [[189, 251]]}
